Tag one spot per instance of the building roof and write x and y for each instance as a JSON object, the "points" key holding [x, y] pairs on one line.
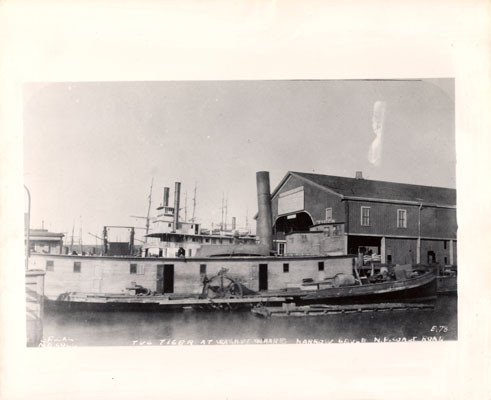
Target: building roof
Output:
{"points": [[360, 188], [44, 234]]}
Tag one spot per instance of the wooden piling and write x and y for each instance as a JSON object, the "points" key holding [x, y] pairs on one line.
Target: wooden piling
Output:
{"points": [[34, 306]]}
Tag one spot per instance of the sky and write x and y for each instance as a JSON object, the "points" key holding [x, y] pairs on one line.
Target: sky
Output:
{"points": [[91, 150]]}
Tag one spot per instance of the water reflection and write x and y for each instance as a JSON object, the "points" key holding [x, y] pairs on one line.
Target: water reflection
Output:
{"points": [[132, 328]]}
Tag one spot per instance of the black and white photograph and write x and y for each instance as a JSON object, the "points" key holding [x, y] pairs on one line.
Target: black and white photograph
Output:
{"points": [[244, 200], [240, 212]]}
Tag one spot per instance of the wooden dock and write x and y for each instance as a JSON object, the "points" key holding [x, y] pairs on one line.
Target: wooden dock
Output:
{"points": [[292, 310]]}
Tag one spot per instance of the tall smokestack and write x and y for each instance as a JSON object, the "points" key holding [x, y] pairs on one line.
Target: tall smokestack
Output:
{"points": [[233, 223], [166, 197], [177, 195], [264, 229]]}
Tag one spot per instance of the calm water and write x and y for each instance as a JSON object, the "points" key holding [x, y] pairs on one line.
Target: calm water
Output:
{"points": [[212, 328]]}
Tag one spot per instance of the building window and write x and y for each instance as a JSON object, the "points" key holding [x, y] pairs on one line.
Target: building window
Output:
{"points": [[445, 244], [202, 269], [321, 265], [446, 261], [77, 266], [281, 249], [401, 218], [328, 214], [286, 267], [365, 216], [50, 265], [137, 269]]}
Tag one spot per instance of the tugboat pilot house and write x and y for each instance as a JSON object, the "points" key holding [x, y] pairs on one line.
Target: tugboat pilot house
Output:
{"points": [[386, 222]]}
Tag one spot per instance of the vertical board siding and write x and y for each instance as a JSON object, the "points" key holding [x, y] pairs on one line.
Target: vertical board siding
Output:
{"points": [[114, 274]]}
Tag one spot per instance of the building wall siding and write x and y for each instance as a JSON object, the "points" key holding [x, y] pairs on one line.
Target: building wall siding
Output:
{"points": [[315, 201], [314, 244], [437, 247], [437, 223], [403, 251], [112, 275]]}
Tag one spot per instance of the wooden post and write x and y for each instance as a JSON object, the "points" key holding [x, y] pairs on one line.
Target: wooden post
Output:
{"points": [[383, 251], [34, 307], [28, 238], [450, 249]]}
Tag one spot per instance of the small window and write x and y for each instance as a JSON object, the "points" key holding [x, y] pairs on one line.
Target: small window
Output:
{"points": [[446, 260], [133, 268], [328, 214], [202, 269], [286, 267], [77, 266], [281, 249], [401, 218], [365, 216], [50, 265], [321, 265], [445, 245]]}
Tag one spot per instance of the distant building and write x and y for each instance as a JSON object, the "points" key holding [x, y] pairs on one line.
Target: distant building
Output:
{"points": [[42, 241], [383, 221]]}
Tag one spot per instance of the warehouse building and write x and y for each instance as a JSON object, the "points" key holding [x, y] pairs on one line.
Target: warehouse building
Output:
{"points": [[382, 221]]}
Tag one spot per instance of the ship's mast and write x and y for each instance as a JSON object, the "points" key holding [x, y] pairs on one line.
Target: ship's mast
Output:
{"points": [[147, 223], [194, 204], [80, 237], [73, 231], [147, 218], [226, 212]]}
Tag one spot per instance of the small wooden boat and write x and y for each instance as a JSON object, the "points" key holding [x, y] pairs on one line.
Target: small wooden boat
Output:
{"points": [[415, 288], [223, 293]]}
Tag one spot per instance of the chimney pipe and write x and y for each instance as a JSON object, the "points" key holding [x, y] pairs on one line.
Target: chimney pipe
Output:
{"points": [[264, 229], [233, 223], [166, 197], [177, 195], [359, 175]]}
